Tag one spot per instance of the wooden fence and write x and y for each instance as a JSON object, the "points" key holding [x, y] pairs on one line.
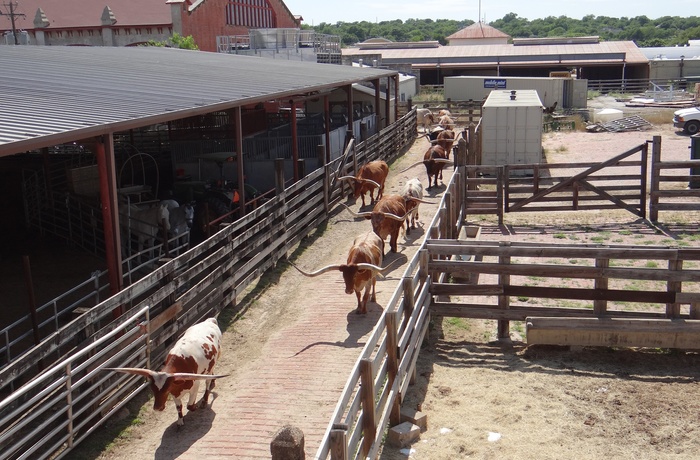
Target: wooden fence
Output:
{"points": [[371, 398], [73, 399], [623, 181], [463, 112], [602, 283]]}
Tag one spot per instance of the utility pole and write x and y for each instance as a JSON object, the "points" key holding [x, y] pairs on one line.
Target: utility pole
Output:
{"points": [[11, 8]]}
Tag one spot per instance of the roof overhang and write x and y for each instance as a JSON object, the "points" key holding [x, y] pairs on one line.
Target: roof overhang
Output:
{"points": [[54, 95]]}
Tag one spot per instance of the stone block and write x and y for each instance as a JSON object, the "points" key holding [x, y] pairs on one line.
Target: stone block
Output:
{"points": [[403, 435], [415, 417]]}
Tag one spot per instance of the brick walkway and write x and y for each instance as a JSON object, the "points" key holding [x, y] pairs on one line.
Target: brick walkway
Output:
{"points": [[303, 366]]}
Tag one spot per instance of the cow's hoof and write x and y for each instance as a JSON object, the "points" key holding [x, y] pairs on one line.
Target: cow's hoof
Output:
{"points": [[192, 407], [180, 422]]}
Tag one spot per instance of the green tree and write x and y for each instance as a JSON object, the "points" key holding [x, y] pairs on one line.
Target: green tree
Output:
{"points": [[176, 41]]}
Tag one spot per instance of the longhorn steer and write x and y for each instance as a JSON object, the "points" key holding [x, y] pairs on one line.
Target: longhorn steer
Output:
{"points": [[425, 118], [360, 272], [370, 176], [413, 194], [191, 359], [434, 159]]}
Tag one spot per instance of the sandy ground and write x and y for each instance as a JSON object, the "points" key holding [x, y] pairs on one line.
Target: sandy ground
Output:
{"points": [[490, 400], [486, 399]]}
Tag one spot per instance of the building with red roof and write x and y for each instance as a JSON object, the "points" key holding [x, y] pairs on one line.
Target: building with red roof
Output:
{"points": [[134, 22]]}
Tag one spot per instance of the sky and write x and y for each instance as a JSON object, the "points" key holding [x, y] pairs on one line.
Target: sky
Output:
{"points": [[331, 11]]}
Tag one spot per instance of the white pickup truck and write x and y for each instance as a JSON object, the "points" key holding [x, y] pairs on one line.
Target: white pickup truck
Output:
{"points": [[687, 119]]}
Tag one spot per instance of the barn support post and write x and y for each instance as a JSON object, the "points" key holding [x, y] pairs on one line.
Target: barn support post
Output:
{"points": [[327, 124], [295, 139], [387, 103], [392, 350], [104, 151], [321, 153], [377, 105], [348, 108], [369, 416], [238, 126], [395, 78], [504, 299], [339, 441], [299, 169], [31, 298]]}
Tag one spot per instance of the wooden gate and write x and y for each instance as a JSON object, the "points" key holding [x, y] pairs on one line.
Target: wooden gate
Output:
{"points": [[619, 182]]}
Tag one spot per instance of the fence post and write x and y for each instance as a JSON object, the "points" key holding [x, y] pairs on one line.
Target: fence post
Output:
{"points": [[673, 310], [423, 259], [655, 180], [280, 192], [448, 215], [369, 424], [392, 350], [339, 441], [409, 302], [504, 299], [301, 168], [500, 205], [600, 305]]}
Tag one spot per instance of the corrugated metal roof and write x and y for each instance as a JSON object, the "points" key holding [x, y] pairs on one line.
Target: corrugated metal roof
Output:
{"points": [[54, 94], [620, 51], [478, 30]]}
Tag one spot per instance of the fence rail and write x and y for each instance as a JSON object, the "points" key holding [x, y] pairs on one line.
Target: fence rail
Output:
{"points": [[46, 419]]}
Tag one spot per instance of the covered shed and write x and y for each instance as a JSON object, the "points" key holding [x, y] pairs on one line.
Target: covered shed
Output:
{"points": [[92, 98]]}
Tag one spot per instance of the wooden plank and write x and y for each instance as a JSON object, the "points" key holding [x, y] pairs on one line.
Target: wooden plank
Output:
{"points": [[614, 332]]}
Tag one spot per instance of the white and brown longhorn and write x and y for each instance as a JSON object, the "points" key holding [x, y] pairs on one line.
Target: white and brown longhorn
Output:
{"points": [[370, 176], [191, 359], [360, 272]]}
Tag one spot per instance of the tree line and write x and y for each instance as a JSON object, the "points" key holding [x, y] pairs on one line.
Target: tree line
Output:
{"points": [[645, 32]]}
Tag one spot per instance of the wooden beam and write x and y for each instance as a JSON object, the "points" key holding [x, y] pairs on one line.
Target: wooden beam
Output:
{"points": [[614, 332]]}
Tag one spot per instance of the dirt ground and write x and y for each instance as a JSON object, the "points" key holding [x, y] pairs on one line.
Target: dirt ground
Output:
{"points": [[491, 400], [486, 399]]}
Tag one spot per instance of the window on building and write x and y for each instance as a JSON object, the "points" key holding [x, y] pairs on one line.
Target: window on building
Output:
{"points": [[250, 13]]}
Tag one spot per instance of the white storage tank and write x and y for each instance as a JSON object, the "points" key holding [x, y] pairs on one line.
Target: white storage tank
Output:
{"points": [[511, 126]]}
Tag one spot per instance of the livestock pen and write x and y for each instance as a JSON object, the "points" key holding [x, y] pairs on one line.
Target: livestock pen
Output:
{"points": [[54, 395]]}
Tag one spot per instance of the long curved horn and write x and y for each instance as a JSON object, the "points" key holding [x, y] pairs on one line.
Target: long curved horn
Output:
{"points": [[442, 160], [347, 178], [412, 198], [376, 184], [414, 164], [395, 217], [320, 271], [132, 370], [186, 376], [364, 215], [375, 269]]}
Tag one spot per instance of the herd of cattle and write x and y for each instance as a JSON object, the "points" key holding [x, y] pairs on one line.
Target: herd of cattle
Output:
{"points": [[193, 357]]}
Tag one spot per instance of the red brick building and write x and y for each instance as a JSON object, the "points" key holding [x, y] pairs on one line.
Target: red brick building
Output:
{"points": [[133, 22]]}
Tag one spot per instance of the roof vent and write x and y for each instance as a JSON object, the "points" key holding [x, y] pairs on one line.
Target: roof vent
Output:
{"points": [[512, 95]]}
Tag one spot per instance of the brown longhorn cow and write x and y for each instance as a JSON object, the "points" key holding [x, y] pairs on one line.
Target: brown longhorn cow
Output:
{"points": [[361, 269], [388, 217], [370, 176]]}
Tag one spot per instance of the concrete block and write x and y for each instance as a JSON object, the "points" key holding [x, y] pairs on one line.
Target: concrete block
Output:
{"points": [[403, 435], [415, 417]]}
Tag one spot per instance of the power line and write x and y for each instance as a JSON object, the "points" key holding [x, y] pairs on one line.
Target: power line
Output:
{"points": [[11, 8]]}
